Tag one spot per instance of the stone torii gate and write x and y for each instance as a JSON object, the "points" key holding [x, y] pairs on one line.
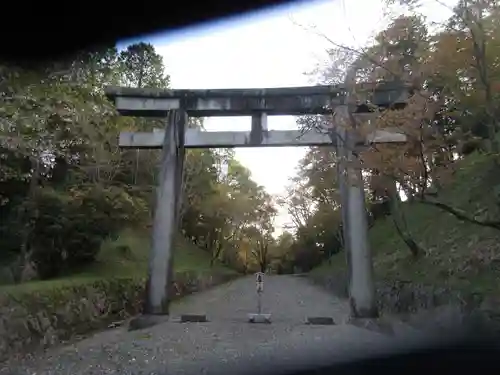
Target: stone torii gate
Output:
{"points": [[177, 105]]}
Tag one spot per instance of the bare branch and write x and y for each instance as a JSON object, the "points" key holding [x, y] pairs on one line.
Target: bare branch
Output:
{"points": [[461, 215]]}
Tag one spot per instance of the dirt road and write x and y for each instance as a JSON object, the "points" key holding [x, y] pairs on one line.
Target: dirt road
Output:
{"points": [[227, 343]]}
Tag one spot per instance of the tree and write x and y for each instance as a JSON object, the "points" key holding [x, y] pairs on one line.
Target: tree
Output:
{"points": [[142, 66], [450, 76], [464, 60], [38, 112], [447, 107], [282, 255], [65, 186], [451, 106]]}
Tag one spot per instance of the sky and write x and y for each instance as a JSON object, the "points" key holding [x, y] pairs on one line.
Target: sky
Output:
{"points": [[270, 49]]}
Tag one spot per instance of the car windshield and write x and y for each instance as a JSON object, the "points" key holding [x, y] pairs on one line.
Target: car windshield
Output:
{"points": [[320, 176]]}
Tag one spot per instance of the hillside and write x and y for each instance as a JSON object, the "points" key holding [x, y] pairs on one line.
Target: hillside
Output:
{"points": [[462, 258], [115, 258]]}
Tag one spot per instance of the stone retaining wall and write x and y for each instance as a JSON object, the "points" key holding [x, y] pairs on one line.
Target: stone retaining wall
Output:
{"points": [[422, 304]]}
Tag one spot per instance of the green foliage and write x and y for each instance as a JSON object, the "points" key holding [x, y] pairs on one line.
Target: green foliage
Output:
{"points": [[461, 257], [452, 114], [67, 229], [143, 67], [128, 254], [66, 187]]}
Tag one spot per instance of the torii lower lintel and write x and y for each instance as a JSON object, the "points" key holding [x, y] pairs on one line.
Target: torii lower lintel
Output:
{"points": [[195, 138]]}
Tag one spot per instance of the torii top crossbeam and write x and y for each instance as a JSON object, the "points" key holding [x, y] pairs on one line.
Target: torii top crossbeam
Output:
{"points": [[149, 102], [257, 103], [152, 102]]}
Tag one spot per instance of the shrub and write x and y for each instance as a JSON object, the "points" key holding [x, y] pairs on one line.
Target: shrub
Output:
{"points": [[66, 229]]}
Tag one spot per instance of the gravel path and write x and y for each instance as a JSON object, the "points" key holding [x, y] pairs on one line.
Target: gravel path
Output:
{"points": [[226, 343]]}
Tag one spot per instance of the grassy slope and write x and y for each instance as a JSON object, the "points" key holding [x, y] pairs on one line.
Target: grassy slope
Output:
{"points": [[112, 262], [460, 255]]}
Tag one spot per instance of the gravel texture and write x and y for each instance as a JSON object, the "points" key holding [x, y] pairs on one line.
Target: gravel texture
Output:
{"points": [[227, 343]]}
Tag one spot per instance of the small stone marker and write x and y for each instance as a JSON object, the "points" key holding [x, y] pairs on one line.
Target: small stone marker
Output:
{"points": [[259, 317], [193, 318], [320, 320]]}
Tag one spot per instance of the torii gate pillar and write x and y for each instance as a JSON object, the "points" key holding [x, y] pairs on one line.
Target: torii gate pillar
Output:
{"points": [[166, 216], [362, 298]]}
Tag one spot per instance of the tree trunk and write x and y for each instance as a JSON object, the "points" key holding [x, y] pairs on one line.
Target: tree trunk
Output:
{"points": [[24, 255], [218, 250], [400, 224]]}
